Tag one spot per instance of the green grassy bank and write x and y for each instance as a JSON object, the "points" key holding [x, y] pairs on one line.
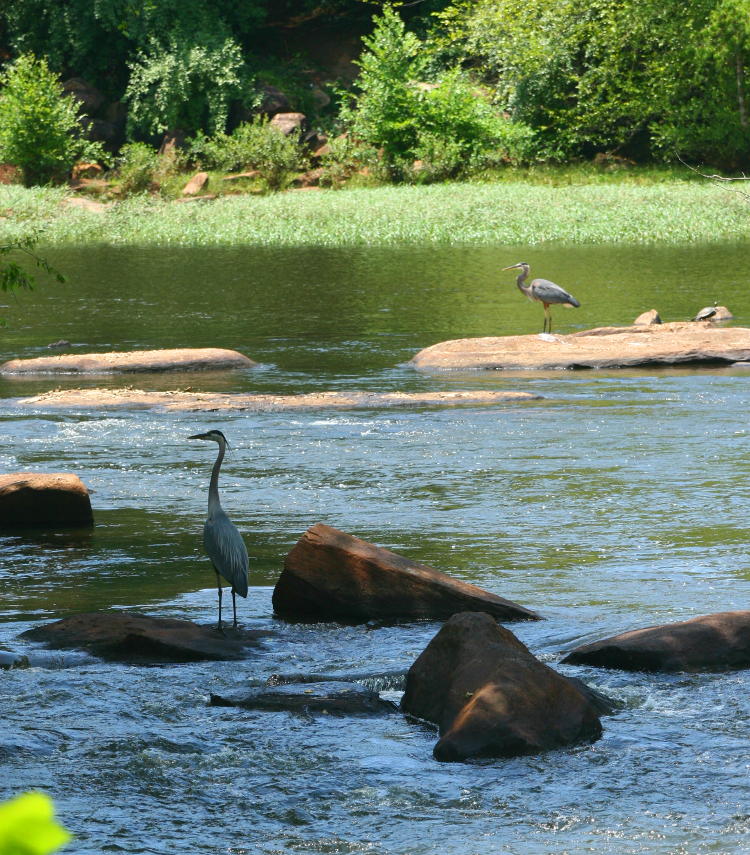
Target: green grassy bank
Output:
{"points": [[671, 212]]}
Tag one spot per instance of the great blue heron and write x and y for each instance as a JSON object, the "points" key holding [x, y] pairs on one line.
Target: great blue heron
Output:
{"points": [[543, 291], [224, 544]]}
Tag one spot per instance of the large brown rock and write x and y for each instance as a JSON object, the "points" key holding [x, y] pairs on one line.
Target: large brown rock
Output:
{"points": [[177, 359], [45, 500], [489, 696], [603, 347], [331, 575], [196, 184], [290, 123], [130, 637], [718, 642]]}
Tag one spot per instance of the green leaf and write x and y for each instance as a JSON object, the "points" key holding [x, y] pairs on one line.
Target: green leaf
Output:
{"points": [[28, 827]]}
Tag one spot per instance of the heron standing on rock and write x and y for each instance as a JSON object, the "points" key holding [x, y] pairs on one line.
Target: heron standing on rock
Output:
{"points": [[542, 291], [223, 543]]}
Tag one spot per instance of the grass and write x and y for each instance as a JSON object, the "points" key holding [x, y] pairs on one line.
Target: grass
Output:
{"points": [[524, 208]]}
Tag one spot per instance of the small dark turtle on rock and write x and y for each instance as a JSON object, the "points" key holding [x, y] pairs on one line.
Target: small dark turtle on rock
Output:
{"points": [[63, 342], [706, 313]]}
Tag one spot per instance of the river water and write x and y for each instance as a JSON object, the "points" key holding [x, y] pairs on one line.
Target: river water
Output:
{"points": [[620, 500]]}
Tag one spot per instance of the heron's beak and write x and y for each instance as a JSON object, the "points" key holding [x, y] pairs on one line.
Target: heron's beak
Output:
{"points": [[198, 436], [512, 267]]}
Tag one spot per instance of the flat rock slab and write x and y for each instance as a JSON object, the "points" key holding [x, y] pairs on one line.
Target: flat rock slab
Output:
{"points": [[140, 639], [331, 575], [489, 696], [177, 359], [718, 642], [604, 347], [44, 500], [203, 401], [335, 697]]}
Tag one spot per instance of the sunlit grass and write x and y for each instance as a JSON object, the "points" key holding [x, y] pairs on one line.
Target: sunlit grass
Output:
{"points": [[674, 211]]}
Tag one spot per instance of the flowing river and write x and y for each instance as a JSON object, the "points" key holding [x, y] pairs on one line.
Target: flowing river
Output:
{"points": [[619, 500]]}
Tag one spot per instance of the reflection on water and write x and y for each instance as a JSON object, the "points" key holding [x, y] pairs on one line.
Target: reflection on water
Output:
{"points": [[620, 500]]}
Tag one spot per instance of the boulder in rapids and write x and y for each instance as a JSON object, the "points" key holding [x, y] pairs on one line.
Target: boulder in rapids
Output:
{"points": [[130, 637], [44, 500], [331, 575], [489, 696], [717, 642]]}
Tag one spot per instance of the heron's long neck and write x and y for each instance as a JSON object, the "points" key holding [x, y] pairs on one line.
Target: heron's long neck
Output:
{"points": [[213, 488], [520, 279]]}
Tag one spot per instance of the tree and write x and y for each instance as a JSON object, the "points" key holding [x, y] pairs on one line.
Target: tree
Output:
{"points": [[642, 77], [38, 122]]}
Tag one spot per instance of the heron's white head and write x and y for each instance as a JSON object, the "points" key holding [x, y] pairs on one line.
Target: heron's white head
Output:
{"points": [[215, 435], [522, 265]]}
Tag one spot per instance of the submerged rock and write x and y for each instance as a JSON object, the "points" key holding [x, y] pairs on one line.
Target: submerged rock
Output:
{"points": [[489, 696], [44, 500], [717, 642], [602, 347], [177, 359], [331, 575], [136, 638], [202, 401], [9, 660], [334, 696]]}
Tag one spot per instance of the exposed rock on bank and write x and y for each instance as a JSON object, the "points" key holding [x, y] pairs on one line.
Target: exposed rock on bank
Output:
{"points": [[136, 638], [177, 359], [335, 697], [489, 696], [44, 500], [603, 347], [331, 575], [718, 642], [202, 401]]}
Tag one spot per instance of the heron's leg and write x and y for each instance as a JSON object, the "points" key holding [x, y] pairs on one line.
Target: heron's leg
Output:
{"points": [[234, 609], [547, 318], [218, 584]]}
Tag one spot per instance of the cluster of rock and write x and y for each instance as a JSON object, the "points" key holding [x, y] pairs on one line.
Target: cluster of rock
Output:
{"points": [[476, 682]]}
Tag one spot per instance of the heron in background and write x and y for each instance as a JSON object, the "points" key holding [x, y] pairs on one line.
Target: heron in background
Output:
{"points": [[542, 291], [224, 544]]}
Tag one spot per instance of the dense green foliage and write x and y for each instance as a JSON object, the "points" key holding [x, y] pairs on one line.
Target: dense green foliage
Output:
{"points": [[443, 123], [457, 86], [38, 125], [642, 77]]}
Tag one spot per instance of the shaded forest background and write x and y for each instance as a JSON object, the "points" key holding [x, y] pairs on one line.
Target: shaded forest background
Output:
{"points": [[639, 79]]}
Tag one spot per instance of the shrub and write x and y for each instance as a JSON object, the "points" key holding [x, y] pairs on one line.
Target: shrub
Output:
{"points": [[137, 166], [344, 158], [447, 124], [252, 145], [184, 84], [39, 124]]}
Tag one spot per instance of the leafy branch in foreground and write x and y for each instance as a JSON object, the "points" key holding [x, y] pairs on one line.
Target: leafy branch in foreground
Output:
{"points": [[14, 277], [28, 826]]}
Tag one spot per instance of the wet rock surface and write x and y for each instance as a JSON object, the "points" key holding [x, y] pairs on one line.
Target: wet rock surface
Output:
{"points": [[202, 401], [332, 575], [602, 347], [175, 359], [335, 696], [717, 642], [44, 500], [489, 696], [140, 639]]}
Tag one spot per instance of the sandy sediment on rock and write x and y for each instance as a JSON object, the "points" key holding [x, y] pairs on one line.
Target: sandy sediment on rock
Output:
{"points": [[603, 347], [176, 359], [202, 401]]}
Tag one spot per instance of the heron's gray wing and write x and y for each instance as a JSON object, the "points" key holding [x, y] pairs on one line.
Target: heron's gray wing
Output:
{"points": [[227, 551], [548, 292]]}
